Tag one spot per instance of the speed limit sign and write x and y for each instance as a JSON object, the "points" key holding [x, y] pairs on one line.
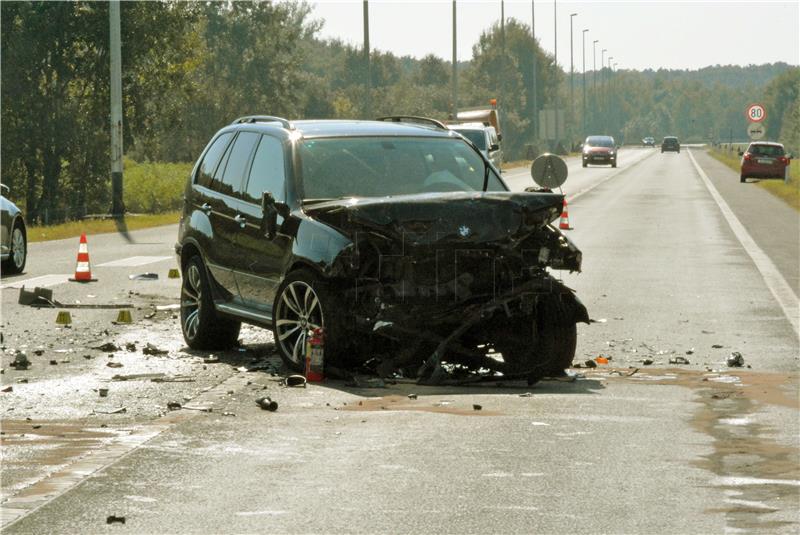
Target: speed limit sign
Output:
{"points": [[756, 113]]}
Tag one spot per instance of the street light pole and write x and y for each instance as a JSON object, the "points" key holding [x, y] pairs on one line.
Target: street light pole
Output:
{"points": [[583, 61], [603, 85], [368, 81], [555, 63], [454, 107], [571, 76], [117, 204], [535, 53], [609, 113], [594, 83]]}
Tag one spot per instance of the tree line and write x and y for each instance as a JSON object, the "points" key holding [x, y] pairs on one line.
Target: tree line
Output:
{"points": [[190, 68]]}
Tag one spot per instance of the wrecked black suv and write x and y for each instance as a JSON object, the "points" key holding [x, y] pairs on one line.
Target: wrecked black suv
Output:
{"points": [[398, 239]]}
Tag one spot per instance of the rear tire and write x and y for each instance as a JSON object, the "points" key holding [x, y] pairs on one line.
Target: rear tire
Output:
{"points": [[742, 179], [202, 327], [585, 164], [614, 164], [18, 251]]}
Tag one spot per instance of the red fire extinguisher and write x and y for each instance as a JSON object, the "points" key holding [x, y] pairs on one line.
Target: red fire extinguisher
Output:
{"points": [[315, 356]]}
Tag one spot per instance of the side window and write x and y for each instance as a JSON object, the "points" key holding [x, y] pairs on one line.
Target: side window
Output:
{"points": [[268, 172], [230, 181], [211, 159]]}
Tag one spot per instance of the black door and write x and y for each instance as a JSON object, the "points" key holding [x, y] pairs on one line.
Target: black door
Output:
{"points": [[262, 258], [222, 201]]}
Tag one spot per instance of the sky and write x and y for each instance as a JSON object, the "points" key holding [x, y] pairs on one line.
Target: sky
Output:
{"points": [[637, 34]]}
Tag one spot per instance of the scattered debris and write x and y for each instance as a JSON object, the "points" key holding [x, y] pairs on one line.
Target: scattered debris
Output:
{"points": [[8, 389], [108, 347], [296, 380], [476, 407], [37, 298], [103, 392], [124, 316], [690, 351], [647, 362], [707, 332], [173, 406], [601, 360], [412, 396], [526, 395], [267, 404], [130, 347], [716, 346], [150, 349], [112, 519], [590, 364], [229, 414], [114, 364], [632, 372], [679, 360], [735, 360], [148, 276], [21, 361], [118, 410], [53, 362], [174, 306], [22, 380], [211, 359], [173, 379]]}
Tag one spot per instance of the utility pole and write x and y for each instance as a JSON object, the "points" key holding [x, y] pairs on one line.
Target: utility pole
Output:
{"points": [[368, 81], [583, 60], [603, 86], [594, 84], [117, 203], [454, 112], [535, 53], [555, 63], [609, 112], [571, 77]]}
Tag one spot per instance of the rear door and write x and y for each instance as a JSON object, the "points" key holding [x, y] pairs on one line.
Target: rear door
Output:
{"points": [[222, 202], [263, 258]]}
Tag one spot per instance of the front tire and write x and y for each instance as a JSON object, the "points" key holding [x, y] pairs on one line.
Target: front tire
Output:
{"points": [[303, 303], [18, 253], [202, 327]]}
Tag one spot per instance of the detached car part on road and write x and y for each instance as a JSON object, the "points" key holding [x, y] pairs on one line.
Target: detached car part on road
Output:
{"points": [[399, 239], [13, 236], [599, 150], [764, 159]]}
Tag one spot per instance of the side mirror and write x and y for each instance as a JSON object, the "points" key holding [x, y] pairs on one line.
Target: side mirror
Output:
{"points": [[741, 153], [271, 209], [494, 146], [789, 156]]}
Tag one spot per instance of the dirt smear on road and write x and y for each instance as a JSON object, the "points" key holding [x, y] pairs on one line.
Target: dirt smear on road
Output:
{"points": [[758, 475]]}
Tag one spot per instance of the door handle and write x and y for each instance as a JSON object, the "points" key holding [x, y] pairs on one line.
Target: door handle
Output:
{"points": [[206, 208], [241, 220]]}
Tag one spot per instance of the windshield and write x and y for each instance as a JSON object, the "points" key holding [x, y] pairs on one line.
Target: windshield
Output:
{"points": [[379, 166], [599, 141], [476, 136], [765, 150]]}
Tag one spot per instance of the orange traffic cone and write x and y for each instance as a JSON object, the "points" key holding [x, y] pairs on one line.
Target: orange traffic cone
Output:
{"points": [[83, 269], [564, 223]]}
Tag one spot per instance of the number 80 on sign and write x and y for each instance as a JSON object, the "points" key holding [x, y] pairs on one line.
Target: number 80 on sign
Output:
{"points": [[756, 113]]}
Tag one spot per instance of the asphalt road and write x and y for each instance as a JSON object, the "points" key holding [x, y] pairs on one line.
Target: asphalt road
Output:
{"points": [[631, 447]]}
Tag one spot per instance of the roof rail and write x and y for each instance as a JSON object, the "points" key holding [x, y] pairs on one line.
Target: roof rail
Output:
{"points": [[264, 119], [413, 119]]}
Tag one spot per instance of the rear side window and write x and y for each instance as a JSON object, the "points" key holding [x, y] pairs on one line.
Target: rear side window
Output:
{"points": [[211, 159], [268, 171], [229, 181]]}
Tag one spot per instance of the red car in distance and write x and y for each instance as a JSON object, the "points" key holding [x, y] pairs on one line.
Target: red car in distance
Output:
{"points": [[764, 159]]}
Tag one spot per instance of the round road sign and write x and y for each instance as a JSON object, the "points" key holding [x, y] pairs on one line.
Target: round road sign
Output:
{"points": [[756, 131], [756, 113], [549, 171]]}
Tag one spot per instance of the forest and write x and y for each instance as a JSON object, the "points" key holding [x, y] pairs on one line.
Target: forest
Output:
{"points": [[190, 68]]}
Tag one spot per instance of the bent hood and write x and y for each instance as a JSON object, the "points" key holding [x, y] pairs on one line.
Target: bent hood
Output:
{"points": [[457, 218]]}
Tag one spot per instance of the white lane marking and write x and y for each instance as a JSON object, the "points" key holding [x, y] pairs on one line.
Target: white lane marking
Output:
{"points": [[772, 277], [41, 282], [134, 261]]}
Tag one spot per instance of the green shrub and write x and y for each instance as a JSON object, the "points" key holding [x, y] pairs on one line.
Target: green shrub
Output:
{"points": [[154, 188]]}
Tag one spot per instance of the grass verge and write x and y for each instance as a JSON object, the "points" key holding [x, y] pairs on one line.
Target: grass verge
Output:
{"points": [[73, 229], [789, 191]]}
